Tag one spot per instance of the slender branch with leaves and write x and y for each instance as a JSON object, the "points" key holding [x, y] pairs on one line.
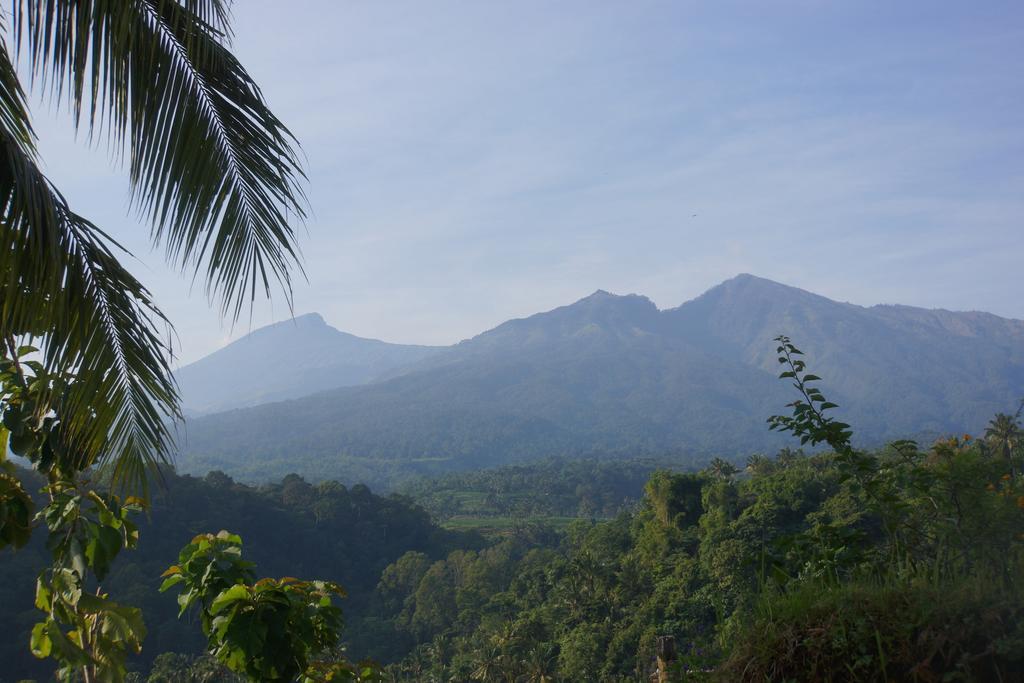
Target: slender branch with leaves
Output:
{"points": [[809, 421], [86, 632], [899, 482]]}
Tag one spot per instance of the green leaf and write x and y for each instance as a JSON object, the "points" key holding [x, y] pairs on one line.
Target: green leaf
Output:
{"points": [[170, 582], [64, 647], [234, 539], [229, 596], [40, 642]]}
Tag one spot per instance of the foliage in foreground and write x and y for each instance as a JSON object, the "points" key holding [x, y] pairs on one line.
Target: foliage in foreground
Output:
{"points": [[80, 627], [265, 630], [832, 564], [865, 631], [345, 535]]}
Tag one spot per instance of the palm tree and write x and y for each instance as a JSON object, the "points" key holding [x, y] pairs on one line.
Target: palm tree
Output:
{"points": [[722, 469], [541, 662], [211, 170], [489, 664], [1004, 434]]}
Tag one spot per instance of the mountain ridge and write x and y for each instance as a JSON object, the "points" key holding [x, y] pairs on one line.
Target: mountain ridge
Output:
{"points": [[614, 374]]}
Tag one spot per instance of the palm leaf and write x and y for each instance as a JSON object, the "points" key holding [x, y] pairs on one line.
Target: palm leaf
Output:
{"points": [[211, 167], [61, 280]]}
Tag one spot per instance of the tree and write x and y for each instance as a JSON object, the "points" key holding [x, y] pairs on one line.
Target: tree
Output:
{"points": [[1004, 434], [722, 469], [211, 170], [171, 667], [266, 630], [86, 632], [675, 498]]}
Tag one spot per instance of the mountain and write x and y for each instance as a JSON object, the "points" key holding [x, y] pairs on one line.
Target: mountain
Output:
{"points": [[289, 359], [616, 376], [897, 371]]}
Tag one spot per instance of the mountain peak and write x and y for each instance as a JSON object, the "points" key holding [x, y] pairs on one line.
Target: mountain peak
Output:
{"points": [[752, 289], [605, 374], [602, 296], [636, 308], [748, 280], [306, 321], [614, 314], [320, 357], [310, 319]]}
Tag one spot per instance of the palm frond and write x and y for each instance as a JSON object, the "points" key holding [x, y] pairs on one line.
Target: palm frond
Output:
{"points": [[60, 279], [14, 119], [214, 13], [211, 167]]}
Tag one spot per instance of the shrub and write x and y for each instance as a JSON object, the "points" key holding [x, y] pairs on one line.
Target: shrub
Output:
{"points": [[970, 631]]}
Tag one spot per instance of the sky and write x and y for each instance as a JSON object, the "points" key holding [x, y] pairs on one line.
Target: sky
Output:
{"points": [[472, 162]]}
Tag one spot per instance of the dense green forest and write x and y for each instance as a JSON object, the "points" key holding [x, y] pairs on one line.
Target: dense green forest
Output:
{"points": [[292, 528], [784, 565], [347, 535], [548, 488], [785, 570]]}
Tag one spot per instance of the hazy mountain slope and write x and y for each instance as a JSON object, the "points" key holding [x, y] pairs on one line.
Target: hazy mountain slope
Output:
{"points": [[613, 374], [896, 370], [286, 360]]}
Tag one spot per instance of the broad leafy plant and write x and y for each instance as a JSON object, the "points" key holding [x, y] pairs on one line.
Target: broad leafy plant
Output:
{"points": [[85, 631], [267, 629]]}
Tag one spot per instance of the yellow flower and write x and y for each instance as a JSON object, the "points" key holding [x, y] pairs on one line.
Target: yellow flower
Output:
{"points": [[990, 487], [1020, 502], [1006, 477]]}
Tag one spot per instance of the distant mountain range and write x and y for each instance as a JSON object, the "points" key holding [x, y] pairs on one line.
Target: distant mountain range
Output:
{"points": [[608, 375]]}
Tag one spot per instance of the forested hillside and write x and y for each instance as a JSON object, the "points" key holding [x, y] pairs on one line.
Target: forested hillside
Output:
{"points": [[547, 488], [910, 555], [789, 570], [290, 528], [613, 376]]}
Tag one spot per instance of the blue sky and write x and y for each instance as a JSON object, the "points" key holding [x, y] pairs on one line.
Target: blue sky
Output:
{"points": [[472, 162]]}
